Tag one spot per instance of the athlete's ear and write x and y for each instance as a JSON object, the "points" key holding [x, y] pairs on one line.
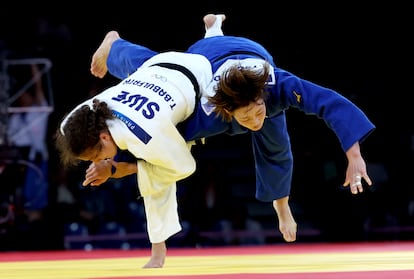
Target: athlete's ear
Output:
{"points": [[105, 136]]}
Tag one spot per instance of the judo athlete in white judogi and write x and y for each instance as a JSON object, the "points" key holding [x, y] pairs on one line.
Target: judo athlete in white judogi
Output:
{"points": [[143, 111]]}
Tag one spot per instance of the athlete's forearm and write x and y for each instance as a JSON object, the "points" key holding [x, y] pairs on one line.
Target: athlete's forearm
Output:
{"points": [[121, 169], [99, 173]]}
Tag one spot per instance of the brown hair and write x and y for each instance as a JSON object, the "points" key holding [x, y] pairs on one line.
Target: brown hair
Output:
{"points": [[238, 87], [81, 131]]}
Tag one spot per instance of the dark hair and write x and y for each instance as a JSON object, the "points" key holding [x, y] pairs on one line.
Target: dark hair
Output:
{"points": [[81, 131], [238, 87]]}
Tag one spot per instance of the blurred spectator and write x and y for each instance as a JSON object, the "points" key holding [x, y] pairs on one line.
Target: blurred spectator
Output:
{"points": [[27, 130]]}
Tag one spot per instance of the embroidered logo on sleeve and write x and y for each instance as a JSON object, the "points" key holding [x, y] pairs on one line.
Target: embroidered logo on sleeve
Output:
{"points": [[298, 96]]}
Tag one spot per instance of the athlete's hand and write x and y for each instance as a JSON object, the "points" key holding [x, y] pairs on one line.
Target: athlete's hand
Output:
{"points": [[96, 174], [356, 172]]}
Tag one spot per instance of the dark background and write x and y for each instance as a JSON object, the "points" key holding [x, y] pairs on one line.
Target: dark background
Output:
{"points": [[361, 51]]}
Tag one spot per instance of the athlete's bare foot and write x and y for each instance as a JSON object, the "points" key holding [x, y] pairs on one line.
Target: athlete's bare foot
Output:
{"points": [[98, 64], [287, 224], [210, 19], [287, 227], [158, 254]]}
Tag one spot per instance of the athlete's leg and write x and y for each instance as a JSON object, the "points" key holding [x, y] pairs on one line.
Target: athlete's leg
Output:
{"points": [[213, 25], [118, 57]]}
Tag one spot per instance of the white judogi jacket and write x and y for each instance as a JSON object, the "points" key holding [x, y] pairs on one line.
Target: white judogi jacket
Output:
{"points": [[148, 105]]}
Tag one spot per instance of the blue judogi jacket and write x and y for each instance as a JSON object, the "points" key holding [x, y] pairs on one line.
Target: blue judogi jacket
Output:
{"points": [[271, 144]]}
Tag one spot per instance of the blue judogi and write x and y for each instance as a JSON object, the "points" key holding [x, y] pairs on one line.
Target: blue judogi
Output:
{"points": [[271, 144]]}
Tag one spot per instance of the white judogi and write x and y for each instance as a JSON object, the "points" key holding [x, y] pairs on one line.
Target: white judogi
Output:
{"points": [[148, 105]]}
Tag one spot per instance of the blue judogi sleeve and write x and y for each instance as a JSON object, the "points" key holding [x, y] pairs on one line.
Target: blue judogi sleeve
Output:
{"points": [[344, 118], [273, 159]]}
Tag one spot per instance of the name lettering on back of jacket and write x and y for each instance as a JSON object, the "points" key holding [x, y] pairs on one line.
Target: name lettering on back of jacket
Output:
{"points": [[154, 88]]}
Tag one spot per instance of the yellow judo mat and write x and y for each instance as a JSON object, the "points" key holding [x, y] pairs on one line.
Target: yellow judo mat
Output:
{"points": [[350, 260]]}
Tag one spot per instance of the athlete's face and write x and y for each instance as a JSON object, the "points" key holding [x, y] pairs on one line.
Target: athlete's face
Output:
{"points": [[252, 116], [106, 148]]}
